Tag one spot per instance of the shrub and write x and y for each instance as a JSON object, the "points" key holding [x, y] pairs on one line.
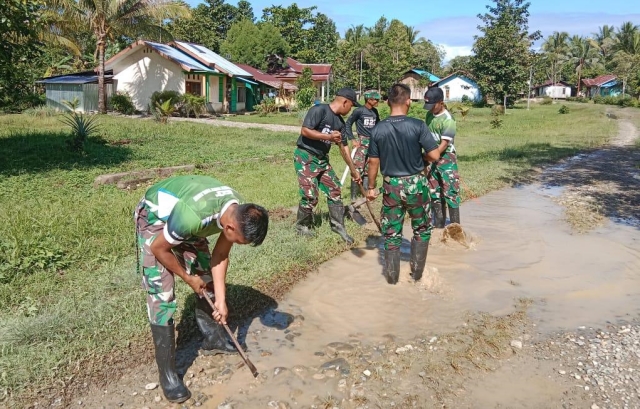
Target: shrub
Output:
{"points": [[160, 97], [497, 110], [267, 106], [305, 97], [564, 110], [628, 101], [466, 100], [42, 111], [547, 101], [496, 122], [195, 104], [164, 111], [82, 127], [598, 99], [121, 102], [582, 100]]}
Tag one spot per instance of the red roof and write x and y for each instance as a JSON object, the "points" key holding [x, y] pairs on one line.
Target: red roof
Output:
{"points": [[320, 72], [598, 81], [267, 79]]}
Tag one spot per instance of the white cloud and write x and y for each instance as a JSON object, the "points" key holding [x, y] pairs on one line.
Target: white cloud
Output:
{"points": [[453, 51]]}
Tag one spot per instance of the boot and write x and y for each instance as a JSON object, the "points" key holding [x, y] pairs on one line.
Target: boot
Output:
{"points": [[165, 344], [304, 223], [438, 214], [336, 219], [354, 191], [454, 214], [419, 250], [215, 338], [392, 266]]}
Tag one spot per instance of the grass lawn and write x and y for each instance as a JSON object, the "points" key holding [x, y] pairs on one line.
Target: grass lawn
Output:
{"points": [[71, 299], [281, 118]]}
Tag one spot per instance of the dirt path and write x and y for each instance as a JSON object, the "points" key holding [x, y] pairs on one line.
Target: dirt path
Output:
{"points": [[525, 314], [244, 125]]}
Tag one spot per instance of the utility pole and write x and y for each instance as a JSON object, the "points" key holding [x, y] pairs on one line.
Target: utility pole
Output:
{"points": [[361, 74], [530, 80]]}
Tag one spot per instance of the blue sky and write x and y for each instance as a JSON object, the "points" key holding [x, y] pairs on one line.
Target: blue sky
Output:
{"points": [[452, 24]]}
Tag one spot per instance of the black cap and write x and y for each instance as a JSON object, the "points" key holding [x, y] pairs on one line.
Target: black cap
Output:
{"points": [[349, 94], [432, 97]]}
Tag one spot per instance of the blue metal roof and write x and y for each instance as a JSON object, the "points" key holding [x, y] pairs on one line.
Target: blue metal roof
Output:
{"points": [[181, 58], [247, 81], [609, 84], [209, 57], [426, 74], [74, 79]]}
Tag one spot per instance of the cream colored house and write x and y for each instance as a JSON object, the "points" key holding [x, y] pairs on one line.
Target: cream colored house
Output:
{"points": [[146, 67]]}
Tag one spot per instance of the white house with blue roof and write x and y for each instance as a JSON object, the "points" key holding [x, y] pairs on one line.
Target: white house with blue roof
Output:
{"points": [[145, 67], [457, 86]]}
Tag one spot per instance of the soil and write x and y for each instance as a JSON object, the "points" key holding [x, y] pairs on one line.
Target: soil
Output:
{"points": [[532, 303]]}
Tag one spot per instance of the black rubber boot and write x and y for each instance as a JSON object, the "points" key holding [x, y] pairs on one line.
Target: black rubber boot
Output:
{"points": [[419, 250], [438, 210], [336, 219], [454, 214], [215, 337], [164, 339], [392, 266], [354, 191], [304, 224]]}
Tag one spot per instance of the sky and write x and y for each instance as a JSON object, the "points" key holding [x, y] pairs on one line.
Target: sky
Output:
{"points": [[452, 24]]}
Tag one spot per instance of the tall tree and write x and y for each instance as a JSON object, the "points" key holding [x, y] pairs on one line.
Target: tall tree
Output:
{"points": [[604, 41], [427, 55], [582, 55], [502, 58], [321, 41], [459, 63], [251, 44], [110, 19], [556, 48], [245, 11], [412, 35], [625, 37]]}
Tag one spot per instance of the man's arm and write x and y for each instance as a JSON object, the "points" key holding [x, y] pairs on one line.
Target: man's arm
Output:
{"points": [[161, 249], [348, 126], [219, 266], [319, 136], [429, 144], [444, 143], [311, 121], [374, 165]]}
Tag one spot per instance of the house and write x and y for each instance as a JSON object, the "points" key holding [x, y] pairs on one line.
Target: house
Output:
{"points": [[559, 90], [604, 85], [268, 85], [82, 86], [457, 86], [321, 75], [145, 67], [418, 81]]}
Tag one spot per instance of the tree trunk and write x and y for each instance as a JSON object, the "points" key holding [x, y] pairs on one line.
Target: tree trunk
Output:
{"points": [[579, 80], [102, 102]]}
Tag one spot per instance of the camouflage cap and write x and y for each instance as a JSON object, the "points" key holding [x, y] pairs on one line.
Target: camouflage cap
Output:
{"points": [[372, 94]]}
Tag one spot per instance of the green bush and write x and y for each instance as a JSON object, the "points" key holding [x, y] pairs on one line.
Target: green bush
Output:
{"points": [[582, 100], [598, 99], [160, 97], [121, 102], [466, 100], [564, 110], [42, 111], [496, 122], [266, 106], [305, 97], [194, 104], [547, 101], [497, 110], [629, 101]]}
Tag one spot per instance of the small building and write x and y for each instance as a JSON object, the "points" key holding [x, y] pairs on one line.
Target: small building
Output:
{"points": [[604, 85], [419, 81], [559, 90], [457, 86], [321, 75], [82, 86], [269, 86], [145, 67]]}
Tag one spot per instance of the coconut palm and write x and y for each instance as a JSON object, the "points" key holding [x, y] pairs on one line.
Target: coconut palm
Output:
{"points": [[110, 19], [625, 37], [412, 34], [556, 48], [582, 54]]}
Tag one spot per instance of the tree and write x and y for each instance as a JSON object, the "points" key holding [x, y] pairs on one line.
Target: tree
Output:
{"points": [[604, 41], [582, 55], [625, 38], [412, 35], [306, 90], [321, 41], [110, 19], [502, 58], [245, 11], [398, 45], [248, 43], [459, 63], [556, 48], [427, 55]]}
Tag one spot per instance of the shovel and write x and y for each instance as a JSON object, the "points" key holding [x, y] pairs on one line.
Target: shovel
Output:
{"points": [[246, 360]]}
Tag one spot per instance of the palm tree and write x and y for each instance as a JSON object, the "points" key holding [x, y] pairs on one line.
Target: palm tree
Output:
{"points": [[556, 48], [110, 19], [624, 37], [412, 35], [582, 54]]}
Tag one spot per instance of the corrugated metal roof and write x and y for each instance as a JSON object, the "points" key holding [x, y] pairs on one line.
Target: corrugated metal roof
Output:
{"points": [[598, 81], [207, 56], [247, 81], [179, 57], [426, 74], [74, 79]]}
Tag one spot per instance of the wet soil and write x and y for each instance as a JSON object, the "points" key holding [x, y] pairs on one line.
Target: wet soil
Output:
{"points": [[495, 322]]}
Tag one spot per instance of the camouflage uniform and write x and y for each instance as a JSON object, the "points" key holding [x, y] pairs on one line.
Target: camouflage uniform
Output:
{"points": [[314, 172], [361, 155], [444, 180], [405, 194]]}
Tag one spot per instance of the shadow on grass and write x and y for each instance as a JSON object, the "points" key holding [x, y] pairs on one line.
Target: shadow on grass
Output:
{"points": [[32, 152], [534, 154]]}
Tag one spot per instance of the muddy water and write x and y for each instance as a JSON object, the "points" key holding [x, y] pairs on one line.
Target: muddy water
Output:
{"points": [[519, 247]]}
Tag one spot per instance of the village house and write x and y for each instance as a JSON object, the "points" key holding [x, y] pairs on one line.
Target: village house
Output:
{"points": [[321, 75], [270, 86], [604, 85], [80, 86], [419, 81], [145, 67], [457, 86], [559, 90]]}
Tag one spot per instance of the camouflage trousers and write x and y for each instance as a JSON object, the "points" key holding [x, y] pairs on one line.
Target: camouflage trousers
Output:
{"points": [[361, 155], [408, 194], [157, 281], [444, 180], [313, 173]]}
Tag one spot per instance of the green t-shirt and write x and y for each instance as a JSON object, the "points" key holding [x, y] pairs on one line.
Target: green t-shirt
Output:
{"points": [[189, 206], [442, 126]]}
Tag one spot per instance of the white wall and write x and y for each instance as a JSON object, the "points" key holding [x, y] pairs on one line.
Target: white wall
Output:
{"points": [[556, 91], [143, 72], [458, 88]]}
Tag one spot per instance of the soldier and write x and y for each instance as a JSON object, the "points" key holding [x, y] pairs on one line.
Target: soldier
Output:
{"points": [[173, 221], [444, 180], [397, 145], [365, 118], [322, 126]]}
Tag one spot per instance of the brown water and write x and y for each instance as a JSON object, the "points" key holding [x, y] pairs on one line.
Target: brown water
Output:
{"points": [[519, 247]]}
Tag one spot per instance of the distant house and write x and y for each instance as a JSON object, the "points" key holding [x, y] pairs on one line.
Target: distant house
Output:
{"points": [[418, 81], [82, 86], [268, 85], [604, 85], [145, 67], [559, 90], [321, 74], [456, 86]]}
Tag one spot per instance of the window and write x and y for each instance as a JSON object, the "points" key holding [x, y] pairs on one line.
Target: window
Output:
{"points": [[446, 93], [564, 91], [242, 94], [194, 88]]}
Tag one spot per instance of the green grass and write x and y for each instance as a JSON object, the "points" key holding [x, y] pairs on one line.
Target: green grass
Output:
{"points": [[280, 118], [67, 282]]}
